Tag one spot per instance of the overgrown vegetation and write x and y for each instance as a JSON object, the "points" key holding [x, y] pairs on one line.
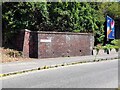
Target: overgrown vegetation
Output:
{"points": [[88, 17], [108, 47], [58, 16], [10, 55]]}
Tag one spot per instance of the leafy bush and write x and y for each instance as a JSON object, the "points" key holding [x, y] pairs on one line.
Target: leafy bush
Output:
{"points": [[108, 46], [115, 42], [98, 47], [52, 16]]}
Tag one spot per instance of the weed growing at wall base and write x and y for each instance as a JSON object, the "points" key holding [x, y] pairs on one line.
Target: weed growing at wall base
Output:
{"points": [[10, 55]]}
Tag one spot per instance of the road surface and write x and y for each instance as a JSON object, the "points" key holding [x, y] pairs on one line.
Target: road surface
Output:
{"points": [[89, 75]]}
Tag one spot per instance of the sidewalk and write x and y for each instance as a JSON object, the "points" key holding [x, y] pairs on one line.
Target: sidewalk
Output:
{"points": [[36, 63]]}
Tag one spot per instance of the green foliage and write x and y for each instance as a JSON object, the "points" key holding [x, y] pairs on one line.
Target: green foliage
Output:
{"points": [[111, 8], [22, 15], [58, 16], [115, 42], [107, 47], [97, 48]]}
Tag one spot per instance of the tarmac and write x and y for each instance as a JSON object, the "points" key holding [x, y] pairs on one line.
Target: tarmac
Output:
{"points": [[22, 66]]}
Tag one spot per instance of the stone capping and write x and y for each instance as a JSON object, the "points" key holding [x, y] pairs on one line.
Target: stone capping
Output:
{"points": [[50, 32]]}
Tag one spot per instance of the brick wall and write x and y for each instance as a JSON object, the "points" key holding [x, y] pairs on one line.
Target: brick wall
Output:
{"points": [[19, 40], [57, 44]]}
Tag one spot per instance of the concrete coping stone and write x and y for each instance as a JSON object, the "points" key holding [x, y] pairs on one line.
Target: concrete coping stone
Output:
{"points": [[50, 32]]}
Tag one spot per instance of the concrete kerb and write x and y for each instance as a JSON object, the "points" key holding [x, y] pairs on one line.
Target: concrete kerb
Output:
{"points": [[54, 66]]}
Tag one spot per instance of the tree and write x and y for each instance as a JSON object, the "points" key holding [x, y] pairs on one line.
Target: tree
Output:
{"points": [[21, 15], [53, 16]]}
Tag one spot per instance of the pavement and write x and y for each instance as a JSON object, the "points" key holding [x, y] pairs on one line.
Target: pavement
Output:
{"points": [[19, 66]]}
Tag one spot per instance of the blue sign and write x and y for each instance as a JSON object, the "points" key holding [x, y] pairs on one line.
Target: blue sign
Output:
{"points": [[110, 28]]}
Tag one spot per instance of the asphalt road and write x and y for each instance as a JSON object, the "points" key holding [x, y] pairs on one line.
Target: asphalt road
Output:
{"points": [[90, 75]]}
